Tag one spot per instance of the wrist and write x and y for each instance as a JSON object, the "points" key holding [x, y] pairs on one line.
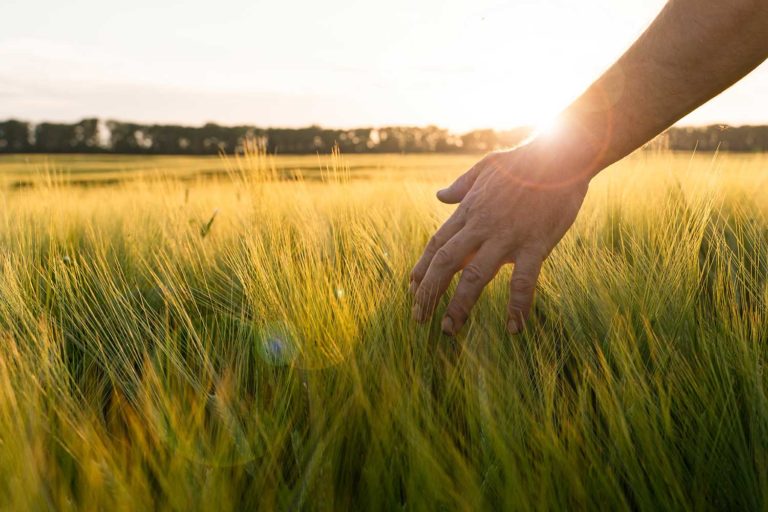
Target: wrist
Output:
{"points": [[569, 153]]}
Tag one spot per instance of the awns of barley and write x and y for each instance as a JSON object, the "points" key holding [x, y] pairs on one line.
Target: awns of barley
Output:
{"points": [[157, 352]]}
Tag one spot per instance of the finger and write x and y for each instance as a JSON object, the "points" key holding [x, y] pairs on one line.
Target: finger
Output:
{"points": [[521, 290], [447, 261], [451, 226], [455, 192], [475, 276]]}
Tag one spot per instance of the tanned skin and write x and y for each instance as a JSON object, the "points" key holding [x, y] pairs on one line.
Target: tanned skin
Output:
{"points": [[515, 206]]}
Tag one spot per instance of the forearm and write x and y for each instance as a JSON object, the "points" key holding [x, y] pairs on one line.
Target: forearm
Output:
{"points": [[694, 50]]}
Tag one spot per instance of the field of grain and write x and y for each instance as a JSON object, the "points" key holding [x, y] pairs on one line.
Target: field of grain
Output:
{"points": [[195, 333]]}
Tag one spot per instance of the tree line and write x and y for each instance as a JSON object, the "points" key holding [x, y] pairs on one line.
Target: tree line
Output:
{"points": [[96, 136]]}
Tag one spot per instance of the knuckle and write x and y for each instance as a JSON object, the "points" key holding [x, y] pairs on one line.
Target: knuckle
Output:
{"points": [[518, 308], [518, 304], [458, 310], [423, 295], [472, 274], [443, 258], [523, 283], [427, 289]]}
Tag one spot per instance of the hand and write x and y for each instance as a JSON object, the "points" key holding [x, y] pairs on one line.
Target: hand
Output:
{"points": [[515, 206]]}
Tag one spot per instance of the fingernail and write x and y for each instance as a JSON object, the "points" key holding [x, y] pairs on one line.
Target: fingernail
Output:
{"points": [[513, 326], [447, 326]]}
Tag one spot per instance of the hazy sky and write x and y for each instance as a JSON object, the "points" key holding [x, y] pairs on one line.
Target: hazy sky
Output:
{"points": [[460, 64]]}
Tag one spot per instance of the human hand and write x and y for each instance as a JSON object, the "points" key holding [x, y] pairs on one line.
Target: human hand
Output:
{"points": [[515, 206]]}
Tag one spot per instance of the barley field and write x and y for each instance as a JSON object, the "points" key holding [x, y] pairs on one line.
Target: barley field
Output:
{"points": [[234, 333]]}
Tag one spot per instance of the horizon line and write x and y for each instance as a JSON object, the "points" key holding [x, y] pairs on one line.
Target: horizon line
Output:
{"points": [[723, 125]]}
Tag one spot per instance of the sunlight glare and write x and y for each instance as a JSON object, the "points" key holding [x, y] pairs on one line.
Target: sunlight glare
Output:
{"points": [[547, 128]]}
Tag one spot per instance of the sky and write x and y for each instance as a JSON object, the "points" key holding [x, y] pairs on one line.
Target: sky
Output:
{"points": [[337, 63]]}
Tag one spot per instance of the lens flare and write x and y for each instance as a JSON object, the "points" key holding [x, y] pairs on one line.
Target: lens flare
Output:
{"points": [[276, 344]]}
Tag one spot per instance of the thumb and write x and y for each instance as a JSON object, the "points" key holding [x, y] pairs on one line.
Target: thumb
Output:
{"points": [[458, 189]]}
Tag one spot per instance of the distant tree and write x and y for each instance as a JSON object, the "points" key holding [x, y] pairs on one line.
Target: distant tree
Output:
{"points": [[479, 141], [86, 136], [90, 135], [128, 137], [53, 137], [349, 141], [402, 139], [174, 140], [215, 139], [722, 137], [14, 137], [744, 138], [300, 140], [512, 138], [80, 137]]}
